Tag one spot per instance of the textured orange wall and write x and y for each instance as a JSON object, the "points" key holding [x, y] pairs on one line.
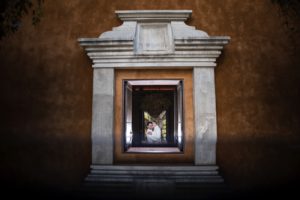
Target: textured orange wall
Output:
{"points": [[46, 89]]}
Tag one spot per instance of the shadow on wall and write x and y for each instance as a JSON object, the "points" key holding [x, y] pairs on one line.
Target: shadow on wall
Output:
{"points": [[46, 110], [46, 90]]}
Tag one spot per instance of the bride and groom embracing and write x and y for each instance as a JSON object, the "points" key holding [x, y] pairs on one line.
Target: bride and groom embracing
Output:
{"points": [[153, 133]]}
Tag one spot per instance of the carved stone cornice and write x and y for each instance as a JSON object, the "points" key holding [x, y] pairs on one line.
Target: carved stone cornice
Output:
{"points": [[154, 38]]}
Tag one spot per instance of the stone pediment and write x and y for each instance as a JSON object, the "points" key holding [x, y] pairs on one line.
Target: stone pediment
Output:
{"points": [[154, 38]]}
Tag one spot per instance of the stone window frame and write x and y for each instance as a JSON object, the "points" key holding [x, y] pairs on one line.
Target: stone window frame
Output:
{"points": [[116, 50]]}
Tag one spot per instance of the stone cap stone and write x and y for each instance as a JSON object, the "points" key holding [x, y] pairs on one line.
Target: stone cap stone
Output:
{"points": [[153, 15]]}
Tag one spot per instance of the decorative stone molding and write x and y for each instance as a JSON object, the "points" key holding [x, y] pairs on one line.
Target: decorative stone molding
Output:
{"points": [[153, 39], [154, 15], [156, 39], [173, 43]]}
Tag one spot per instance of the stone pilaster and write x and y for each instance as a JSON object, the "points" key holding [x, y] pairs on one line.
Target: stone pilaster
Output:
{"points": [[103, 115], [205, 116]]}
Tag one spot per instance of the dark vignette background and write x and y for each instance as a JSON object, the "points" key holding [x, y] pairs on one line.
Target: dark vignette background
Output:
{"points": [[46, 89]]}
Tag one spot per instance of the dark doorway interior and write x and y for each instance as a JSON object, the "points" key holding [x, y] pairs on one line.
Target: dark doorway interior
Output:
{"points": [[149, 103], [158, 101]]}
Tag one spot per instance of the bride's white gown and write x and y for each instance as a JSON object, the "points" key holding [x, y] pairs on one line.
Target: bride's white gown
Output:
{"points": [[155, 137]]}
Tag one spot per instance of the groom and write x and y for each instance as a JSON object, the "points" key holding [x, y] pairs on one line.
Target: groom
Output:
{"points": [[153, 133]]}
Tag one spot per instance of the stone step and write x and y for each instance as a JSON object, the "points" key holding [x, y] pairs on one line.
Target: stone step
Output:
{"points": [[128, 173], [132, 184], [120, 181], [130, 178], [154, 168], [179, 181], [151, 172], [154, 175]]}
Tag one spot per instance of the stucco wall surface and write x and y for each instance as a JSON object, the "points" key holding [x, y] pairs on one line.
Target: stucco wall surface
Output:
{"points": [[46, 90]]}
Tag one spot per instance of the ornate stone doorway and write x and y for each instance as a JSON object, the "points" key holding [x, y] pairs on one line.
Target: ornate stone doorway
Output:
{"points": [[153, 40]]}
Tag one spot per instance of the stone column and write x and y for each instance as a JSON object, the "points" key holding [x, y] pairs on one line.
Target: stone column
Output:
{"points": [[103, 115], [205, 116]]}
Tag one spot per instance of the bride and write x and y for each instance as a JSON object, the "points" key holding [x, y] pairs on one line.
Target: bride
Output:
{"points": [[153, 133]]}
